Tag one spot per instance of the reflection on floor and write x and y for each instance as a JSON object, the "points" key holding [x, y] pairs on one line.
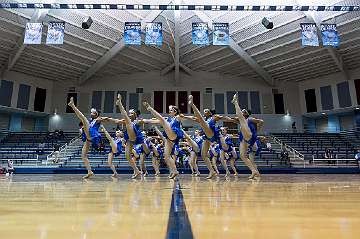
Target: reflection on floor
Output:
{"points": [[277, 206]]}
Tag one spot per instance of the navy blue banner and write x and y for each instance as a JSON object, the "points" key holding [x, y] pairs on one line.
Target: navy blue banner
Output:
{"points": [[181, 7], [55, 34], [221, 34], [330, 36], [132, 33], [200, 33], [309, 35], [153, 33]]}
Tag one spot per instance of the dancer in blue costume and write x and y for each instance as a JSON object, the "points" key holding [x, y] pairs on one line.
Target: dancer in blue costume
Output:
{"points": [[211, 130], [194, 145], [172, 134], [226, 148], [214, 154], [247, 135], [140, 152], [157, 155], [117, 144], [133, 134], [168, 160], [90, 133]]}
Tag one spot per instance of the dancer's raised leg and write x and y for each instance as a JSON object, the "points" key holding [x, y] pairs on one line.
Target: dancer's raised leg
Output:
{"points": [[81, 116], [203, 124], [170, 133], [128, 123], [243, 124]]}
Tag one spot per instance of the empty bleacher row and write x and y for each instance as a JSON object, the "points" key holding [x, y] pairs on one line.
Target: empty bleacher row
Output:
{"points": [[29, 148], [23, 149], [314, 145], [99, 159]]}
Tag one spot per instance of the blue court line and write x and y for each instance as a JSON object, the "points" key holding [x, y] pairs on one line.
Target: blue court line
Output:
{"points": [[178, 224]]}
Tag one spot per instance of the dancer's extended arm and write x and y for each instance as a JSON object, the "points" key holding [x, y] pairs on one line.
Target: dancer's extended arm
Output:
{"points": [[259, 123], [188, 117]]}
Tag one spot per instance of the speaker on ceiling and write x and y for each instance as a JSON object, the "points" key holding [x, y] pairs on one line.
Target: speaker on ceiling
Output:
{"points": [[267, 23], [86, 24]]}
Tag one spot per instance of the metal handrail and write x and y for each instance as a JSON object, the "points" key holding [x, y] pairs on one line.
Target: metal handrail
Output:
{"points": [[61, 149], [294, 151]]}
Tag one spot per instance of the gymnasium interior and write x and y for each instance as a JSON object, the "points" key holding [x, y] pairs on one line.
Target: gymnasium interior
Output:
{"points": [[294, 64]]}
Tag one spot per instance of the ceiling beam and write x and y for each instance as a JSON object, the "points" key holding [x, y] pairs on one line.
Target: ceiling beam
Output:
{"points": [[213, 61], [224, 65], [142, 51], [38, 16], [102, 61], [186, 69], [140, 61], [173, 38], [167, 69], [126, 63], [202, 55], [170, 67]]}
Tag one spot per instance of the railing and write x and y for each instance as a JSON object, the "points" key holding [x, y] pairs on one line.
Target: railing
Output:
{"points": [[3, 134], [296, 154], [335, 160], [62, 149]]}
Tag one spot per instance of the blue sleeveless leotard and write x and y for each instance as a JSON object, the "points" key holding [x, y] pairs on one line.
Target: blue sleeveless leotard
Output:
{"points": [[139, 136], [253, 138], [229, 143], [176, 127], [215, 128], [119, 146]]}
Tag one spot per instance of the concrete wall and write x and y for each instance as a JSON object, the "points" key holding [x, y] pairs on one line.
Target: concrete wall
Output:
{"points": [[153, 81], [19, 78], [325, 81]]}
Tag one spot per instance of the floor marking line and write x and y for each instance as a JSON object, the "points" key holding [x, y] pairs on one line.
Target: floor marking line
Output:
{"points": [[178, 224]]}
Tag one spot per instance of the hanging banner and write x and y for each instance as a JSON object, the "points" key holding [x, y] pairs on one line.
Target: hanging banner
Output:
{"points": [[33, 33], [132, 33], [200, 33], [221, 34], [55, 34], [153, 33], [330, 36], [309, 34]]}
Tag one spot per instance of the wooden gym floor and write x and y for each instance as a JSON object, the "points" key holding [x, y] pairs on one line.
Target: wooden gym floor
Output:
{"points": [[277, 206]]}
